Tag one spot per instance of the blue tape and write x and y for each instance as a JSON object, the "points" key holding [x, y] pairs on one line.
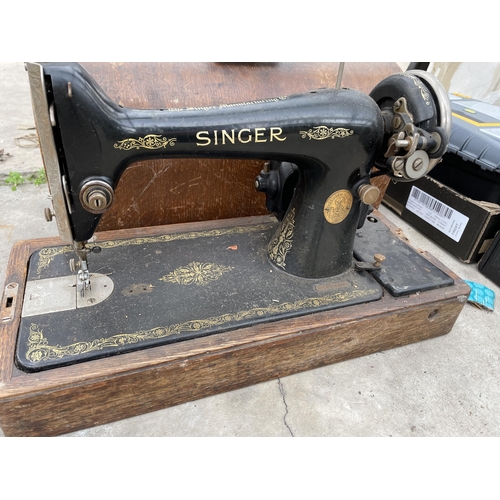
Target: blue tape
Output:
{"points": [[481, 296]]}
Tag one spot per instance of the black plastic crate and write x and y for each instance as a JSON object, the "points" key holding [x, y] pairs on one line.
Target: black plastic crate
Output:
{"points": [[471, 165]]}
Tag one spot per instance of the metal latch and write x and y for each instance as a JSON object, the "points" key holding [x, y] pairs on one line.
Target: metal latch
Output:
{"points": [[8, 305]]}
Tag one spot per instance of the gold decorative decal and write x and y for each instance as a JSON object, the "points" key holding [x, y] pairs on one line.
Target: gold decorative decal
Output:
{"points": [[150, 141], [40, 350], [231, 105], [322, 132], [338, 206], [196, 273], [46, 255], [242, 136], [281, 244], [425, 93]]}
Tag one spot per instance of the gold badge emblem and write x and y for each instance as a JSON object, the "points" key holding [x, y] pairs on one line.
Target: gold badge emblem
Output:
{"points": [[338, 206]]}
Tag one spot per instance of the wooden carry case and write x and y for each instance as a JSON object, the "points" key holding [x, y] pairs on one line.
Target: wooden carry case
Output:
{"points": [[161, 196]]}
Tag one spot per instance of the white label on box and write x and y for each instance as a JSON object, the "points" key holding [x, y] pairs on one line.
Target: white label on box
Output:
{"points": [[437, 214]]}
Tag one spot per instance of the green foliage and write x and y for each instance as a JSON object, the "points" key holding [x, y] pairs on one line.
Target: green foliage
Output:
{"points": [[15, 179], [38, 177]]}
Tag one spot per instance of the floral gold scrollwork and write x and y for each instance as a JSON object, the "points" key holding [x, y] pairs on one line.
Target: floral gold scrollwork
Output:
{"points": [[40, 350], [150, 141], [196, 273], [322, 132], [46, 255], [281, 244]]}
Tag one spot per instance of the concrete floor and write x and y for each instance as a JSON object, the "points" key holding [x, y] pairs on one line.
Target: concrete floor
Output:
{"points": [[448, 386]]}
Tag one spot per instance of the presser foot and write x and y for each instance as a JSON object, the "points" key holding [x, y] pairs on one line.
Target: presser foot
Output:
{"points": [[82, 275], [81, 267], [83, 280]]}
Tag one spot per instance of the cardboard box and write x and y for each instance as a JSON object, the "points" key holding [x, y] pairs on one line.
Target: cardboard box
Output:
{"points": [[464, 227]]}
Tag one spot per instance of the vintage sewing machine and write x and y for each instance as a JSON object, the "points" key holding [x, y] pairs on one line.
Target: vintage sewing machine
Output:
{"points": [[233, 290]]}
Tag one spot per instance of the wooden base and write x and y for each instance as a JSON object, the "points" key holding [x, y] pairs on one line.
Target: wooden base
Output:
{"points": [[79, 396]]}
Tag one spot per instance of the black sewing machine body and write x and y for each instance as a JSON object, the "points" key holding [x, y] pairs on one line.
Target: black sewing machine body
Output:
{"points": [[321, 147], [331, 135]]}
